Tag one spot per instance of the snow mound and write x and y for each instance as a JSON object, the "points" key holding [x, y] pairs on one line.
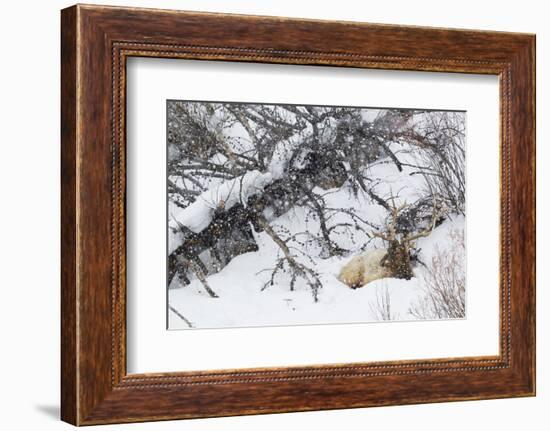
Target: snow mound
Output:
{"points": [[197, 216]]}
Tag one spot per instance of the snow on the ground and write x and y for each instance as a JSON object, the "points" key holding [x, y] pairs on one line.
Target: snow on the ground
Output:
{"points": [[242, 302]]}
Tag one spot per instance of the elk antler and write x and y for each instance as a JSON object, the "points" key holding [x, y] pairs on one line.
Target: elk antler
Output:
{"points": [[391, 232], [425, 232]]}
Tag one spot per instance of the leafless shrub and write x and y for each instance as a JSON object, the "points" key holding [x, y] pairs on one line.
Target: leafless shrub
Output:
{"points": [[381, 308], [442, 138], [288, 261], [444, 295]]}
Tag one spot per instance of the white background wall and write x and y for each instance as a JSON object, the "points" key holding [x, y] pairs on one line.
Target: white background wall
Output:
{"points": [[29, 214]]}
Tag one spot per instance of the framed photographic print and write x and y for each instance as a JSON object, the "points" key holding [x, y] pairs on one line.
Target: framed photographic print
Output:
{"points": [[265, 214]]}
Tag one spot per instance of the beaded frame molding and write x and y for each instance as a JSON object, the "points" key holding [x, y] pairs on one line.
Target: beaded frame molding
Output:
{"points": [[95, 43]]}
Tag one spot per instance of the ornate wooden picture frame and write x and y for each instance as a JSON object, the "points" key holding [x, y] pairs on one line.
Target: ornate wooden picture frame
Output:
{"points": [[96, 42]]}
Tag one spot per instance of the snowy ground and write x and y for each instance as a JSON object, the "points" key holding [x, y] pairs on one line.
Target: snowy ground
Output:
{"points": [[242, 302]]}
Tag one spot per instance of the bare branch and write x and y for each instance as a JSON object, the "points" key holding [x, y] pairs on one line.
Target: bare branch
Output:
{"points": [[181, 316], [310, 276]]}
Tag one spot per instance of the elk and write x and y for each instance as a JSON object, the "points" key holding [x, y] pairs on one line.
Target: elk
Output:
{"points": [[394, 261]]}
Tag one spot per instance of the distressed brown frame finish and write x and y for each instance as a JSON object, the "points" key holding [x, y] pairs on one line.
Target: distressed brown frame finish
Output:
{"points": [[96, 41]]}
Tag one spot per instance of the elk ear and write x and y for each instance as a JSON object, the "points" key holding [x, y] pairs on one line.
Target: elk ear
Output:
{"points": [[384, 260]]}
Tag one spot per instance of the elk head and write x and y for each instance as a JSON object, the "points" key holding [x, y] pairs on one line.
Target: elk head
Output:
{"points": [[399, 244]]}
